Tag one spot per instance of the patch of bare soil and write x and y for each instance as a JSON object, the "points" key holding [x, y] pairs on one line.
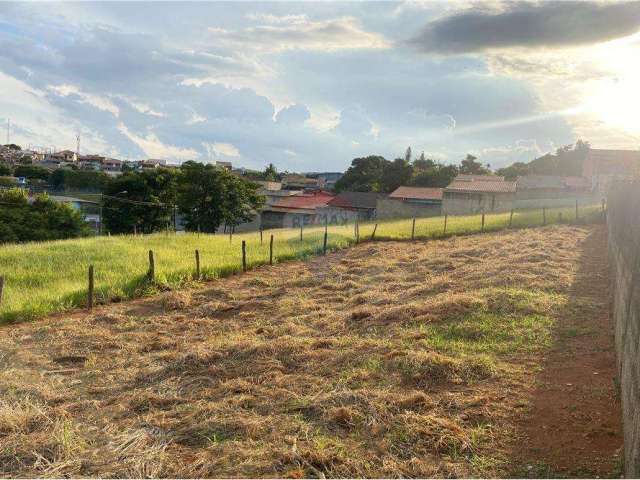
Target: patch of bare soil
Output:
{"points": [[385, 360], [574, 426]]}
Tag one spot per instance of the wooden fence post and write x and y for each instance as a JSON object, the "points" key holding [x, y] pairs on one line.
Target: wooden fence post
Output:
{"points": [[90, 289], [482, 227], [444, 232], [1, 287], [373, 235], [260, 235], [152, 266], [576, 209], [357, 228], [544, 215], [244, 256], [413, 228], [197, 264], [324, 243], [271, 250], [230, 234], [511, 218]]}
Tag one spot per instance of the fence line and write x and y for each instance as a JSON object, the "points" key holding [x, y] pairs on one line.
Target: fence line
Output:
{"points": [[485, 225]]}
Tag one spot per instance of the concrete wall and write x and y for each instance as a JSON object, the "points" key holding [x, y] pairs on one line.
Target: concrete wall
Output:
{"points": [[568, 201], [392, 208], [623, 215], [459, 203]]}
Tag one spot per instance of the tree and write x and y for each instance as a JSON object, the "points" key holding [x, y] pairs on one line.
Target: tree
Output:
{"points": [[407, 155], [144, 200], [471, 167], [270, 173], [31, 171], [41, 219], [566, 160], [427, 173], [364, 175], [396, 173], [514, 171], [87, 180], [209, 197], [5, 170]]}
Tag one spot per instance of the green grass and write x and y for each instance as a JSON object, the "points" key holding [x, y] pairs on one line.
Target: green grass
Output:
{"points": [[41, 278]]}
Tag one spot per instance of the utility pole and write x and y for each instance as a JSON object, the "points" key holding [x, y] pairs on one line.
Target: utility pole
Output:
{"points": [[8, 131], [78, 146]]}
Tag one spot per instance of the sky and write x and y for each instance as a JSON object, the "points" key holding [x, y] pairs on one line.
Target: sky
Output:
{"points": [[309, 86]]}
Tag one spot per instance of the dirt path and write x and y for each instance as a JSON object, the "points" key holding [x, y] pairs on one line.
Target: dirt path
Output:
{"points": [[574, 426]]}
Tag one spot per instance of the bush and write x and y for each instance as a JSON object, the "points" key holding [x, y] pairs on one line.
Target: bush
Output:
{"points": [[22, 220]]}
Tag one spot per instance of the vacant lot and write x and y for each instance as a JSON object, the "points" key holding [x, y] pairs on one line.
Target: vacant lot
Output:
{"points": [[388, 359], [46, 277]]}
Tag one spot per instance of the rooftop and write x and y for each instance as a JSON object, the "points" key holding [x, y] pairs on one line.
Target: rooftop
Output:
{"points": [[495, 186], [356, 199], [417, 193]]}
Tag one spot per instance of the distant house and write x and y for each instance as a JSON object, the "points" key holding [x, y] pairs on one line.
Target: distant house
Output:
{"points": [[347, 206], [603, 167], [224, 165], [327, 180], [300, 182], [405, 202], [295, 210], [469, 194], [63, 156], [534, 191], [91, 162]]}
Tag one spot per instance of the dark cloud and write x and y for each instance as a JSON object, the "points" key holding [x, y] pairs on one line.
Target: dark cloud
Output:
{"points": [[547, 24]]}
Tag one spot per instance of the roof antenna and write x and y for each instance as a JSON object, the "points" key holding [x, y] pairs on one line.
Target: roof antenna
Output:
{"points": [[8, 131]]}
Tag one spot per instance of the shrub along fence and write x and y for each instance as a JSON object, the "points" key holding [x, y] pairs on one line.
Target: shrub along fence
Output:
{"points": [[623, 221], [40, 278]]}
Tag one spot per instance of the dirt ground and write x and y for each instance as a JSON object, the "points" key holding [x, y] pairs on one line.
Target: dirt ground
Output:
{"points": [[574, 428], [488, 355]]}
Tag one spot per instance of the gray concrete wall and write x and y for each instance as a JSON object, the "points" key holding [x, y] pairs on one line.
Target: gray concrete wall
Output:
{"points": [[459, 203], [530, 200], [392, 208], [623, 222]]}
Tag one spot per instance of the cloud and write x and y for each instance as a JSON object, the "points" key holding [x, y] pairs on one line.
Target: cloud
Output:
{"points": [[153, 147], [295, 32], [101, 103], [220, 149], [293, 114], [529, 25]]}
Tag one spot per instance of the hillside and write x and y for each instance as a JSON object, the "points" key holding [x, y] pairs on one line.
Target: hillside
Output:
{"points": [[387, 359]]}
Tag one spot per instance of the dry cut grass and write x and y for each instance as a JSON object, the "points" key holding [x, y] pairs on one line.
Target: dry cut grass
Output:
{"points": [[387, 360]]}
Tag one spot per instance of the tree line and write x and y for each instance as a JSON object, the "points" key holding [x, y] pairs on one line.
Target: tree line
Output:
{"points": [[377, 174]]}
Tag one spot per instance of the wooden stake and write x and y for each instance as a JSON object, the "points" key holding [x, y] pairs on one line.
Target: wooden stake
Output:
{"points": [[260, 235], [544, 215], [576, 209], [413, 228], [197, 264], [511, 218], [373, 235], [1, 287], [271, 250], [244, 256], [90, 290], [482, 227], [301, 224], [152, 266], [357, 231], [324, 243], [230, 234], [445, 224]]}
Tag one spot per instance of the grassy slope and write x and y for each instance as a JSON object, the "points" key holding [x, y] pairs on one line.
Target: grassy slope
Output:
{"points": [[386, 360], [47, 277]]}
